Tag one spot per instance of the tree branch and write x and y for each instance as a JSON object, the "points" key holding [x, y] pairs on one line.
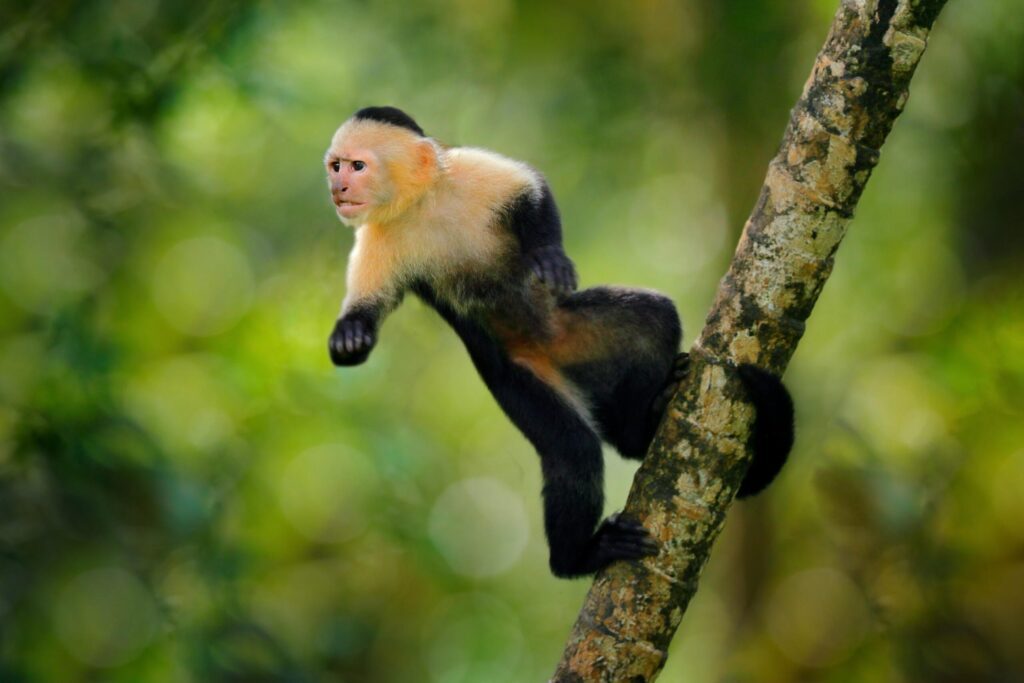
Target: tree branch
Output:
{"points": [[684, 488]]}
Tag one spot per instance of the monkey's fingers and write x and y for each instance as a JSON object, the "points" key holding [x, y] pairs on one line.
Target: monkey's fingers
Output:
{"points": [[346, 338], [549, 272], [353, 336], [553, 268], [618, 523], [570, 277], [334, 346], [536, 266], [627, 528], [643, 543], [623, 549], [565, 278], [680, 370], [681, 366], [351, 341], [623, 538]]}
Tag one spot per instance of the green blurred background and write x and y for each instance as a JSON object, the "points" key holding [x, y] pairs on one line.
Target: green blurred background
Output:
{"points": [[189, 491]]}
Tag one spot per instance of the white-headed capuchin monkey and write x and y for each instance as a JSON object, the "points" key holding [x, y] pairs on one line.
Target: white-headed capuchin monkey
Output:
{"points": [[477, 236]]}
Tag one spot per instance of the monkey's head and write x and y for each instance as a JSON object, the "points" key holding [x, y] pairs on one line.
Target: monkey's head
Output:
{"points": [[379, 163]]}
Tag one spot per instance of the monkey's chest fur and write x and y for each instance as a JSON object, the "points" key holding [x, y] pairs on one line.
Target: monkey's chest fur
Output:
{"points": [[475, 268], [477, 271]]}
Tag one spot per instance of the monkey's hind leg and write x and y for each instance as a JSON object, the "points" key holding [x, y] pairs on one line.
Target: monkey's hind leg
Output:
{"points": [[573, 469], [573, 498], [570, 453], [631, 413], [627, 383]]}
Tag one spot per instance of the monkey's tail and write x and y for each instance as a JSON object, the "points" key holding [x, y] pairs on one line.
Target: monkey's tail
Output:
{"points": [[772, 436]]}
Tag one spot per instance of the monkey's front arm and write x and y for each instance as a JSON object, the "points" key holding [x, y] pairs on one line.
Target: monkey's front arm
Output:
{"points": [[538, 227], [355, 332]]}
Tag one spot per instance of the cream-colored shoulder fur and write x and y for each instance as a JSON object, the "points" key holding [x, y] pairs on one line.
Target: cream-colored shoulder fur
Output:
{"points": [[490, 177], [477, 185], [452, 231]]}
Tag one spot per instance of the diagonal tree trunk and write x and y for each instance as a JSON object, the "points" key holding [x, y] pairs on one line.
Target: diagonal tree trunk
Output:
{"points": [[857, 88]]}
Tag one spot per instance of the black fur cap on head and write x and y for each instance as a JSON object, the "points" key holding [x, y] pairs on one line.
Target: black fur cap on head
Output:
{"points": [[390, 115]]}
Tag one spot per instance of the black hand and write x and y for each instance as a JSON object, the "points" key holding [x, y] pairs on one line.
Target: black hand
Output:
{"points": [[620, 538], [680, 369], [351, 341], [554, 268]]}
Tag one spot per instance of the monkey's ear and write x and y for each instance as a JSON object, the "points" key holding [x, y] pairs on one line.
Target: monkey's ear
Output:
{"points": [[426, 161]]}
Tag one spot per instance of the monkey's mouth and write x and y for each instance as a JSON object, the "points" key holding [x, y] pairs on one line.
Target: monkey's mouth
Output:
{"points": [[347, 207]]}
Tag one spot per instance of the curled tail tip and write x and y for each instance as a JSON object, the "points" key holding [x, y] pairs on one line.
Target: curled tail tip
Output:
{"points": [[749, 489], [773, 432], [750, 372], [765, 388]]}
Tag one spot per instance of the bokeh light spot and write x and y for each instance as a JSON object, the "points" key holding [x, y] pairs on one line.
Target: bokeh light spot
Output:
{"points": [[104, 617], [480, 527], [44, 262], [896, 406], [184, 401], [203, 285], [474, 638], [327, 491]]}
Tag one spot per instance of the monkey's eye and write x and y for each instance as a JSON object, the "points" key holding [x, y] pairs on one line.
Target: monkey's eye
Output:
{"points": [[358, 165], [335, 166]]}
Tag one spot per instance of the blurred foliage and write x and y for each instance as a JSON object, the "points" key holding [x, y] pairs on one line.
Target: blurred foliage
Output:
{"points": [[190, 492]]}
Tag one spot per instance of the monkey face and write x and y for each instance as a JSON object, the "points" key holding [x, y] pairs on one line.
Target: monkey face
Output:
{"points": [[375, 171], [353, 176]]}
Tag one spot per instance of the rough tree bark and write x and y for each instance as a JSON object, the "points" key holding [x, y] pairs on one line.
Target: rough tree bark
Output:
{"points": [[857, 88]]}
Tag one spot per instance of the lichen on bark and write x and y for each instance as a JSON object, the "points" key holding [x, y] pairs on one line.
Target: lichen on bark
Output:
{"points": [[857, 87]]}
